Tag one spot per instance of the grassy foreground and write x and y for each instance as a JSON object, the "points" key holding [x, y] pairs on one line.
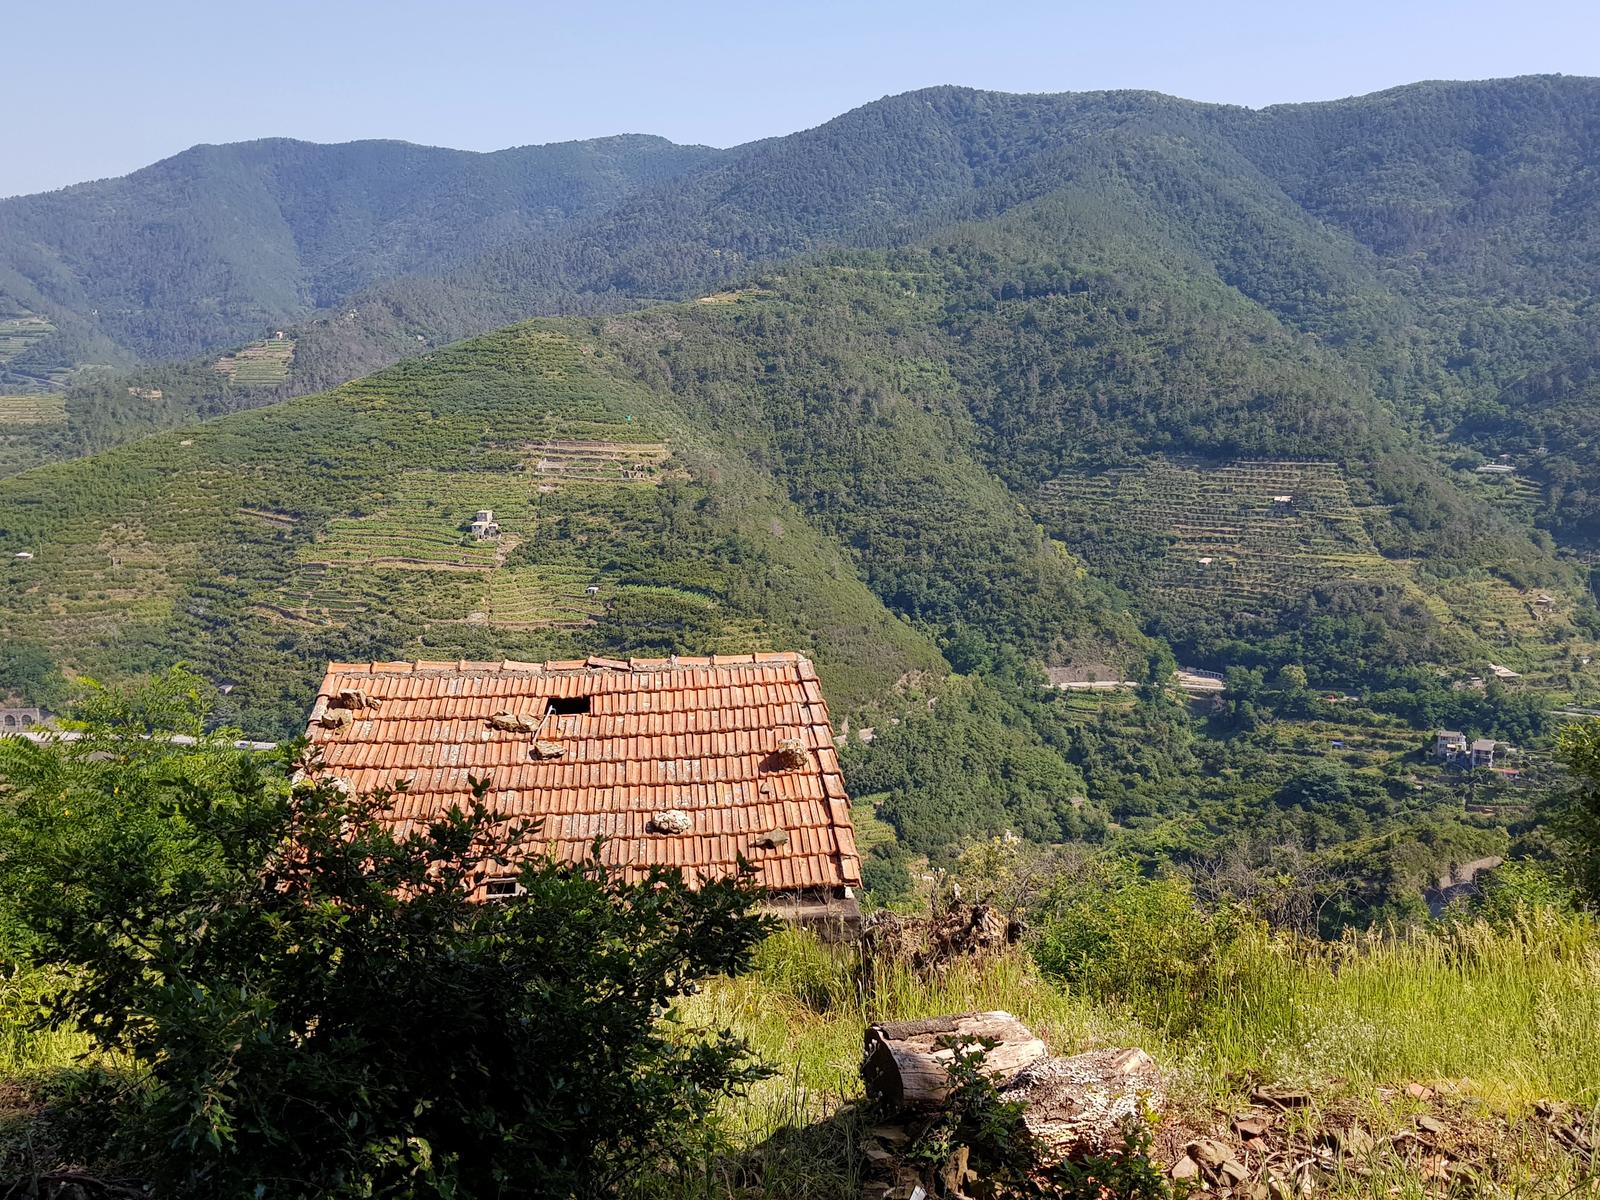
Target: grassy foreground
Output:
{"points": [[1497, 1017]]}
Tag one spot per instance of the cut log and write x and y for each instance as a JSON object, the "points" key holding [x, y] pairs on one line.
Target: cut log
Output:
{"points": [[903, 1066], [1077, 1104]]}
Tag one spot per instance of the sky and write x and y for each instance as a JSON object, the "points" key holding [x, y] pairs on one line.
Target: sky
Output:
{"points": [[93, 88]]}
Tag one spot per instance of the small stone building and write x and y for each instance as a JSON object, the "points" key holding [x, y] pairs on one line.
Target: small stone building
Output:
{"points": [[484, 526], [688, 763], [16, 720]]}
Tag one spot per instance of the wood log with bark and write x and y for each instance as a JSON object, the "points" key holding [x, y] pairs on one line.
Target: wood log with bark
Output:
{"points": [[903, 1065]]}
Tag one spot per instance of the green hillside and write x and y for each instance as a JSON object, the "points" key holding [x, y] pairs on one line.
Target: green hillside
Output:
{"points": [[1440, 279], [837, 458], [335, 527], [220, 244]]}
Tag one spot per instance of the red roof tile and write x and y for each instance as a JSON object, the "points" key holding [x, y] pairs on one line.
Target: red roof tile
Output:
{"points": [[694, 734]]}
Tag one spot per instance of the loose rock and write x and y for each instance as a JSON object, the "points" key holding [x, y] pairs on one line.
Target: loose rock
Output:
{"points": [[673, 820], [1185, 1168]]}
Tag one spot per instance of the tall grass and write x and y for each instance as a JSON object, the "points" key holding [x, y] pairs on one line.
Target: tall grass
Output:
{"points": [[1508, 1013], [1513, 1009], [26, 1047]]}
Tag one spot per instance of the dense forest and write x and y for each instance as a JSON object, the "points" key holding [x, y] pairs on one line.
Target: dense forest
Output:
{"points": [[218, 244]]}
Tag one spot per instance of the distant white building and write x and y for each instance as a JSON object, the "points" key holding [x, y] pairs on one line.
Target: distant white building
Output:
{"points": [[484, 526], [1483, 752], [1449, 745]]}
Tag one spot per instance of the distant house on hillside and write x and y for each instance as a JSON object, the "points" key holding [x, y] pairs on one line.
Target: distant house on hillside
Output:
{"points": [[1449, 745], [484, 527], [688, 763], [1483, 752]]}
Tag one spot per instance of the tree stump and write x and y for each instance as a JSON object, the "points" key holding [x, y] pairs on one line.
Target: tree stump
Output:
{"points": [[903, 1067]]}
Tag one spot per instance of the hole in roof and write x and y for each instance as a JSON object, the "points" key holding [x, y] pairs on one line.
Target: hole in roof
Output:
{"points": [[500, 889], [567, 705]]}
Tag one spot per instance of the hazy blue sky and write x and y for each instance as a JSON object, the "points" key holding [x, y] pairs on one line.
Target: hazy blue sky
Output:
{"points": [[98, 87]]}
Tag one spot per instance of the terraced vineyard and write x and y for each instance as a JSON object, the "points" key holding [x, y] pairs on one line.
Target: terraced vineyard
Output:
{"points": [[259, 364], [101, 581], [1360, 741], [32, 410], [313, 594], [317, 593], [419, 527], [1252, 536], [1517, 494], [29, 425], [598, 461], [1501, 613], [401, 535], [542, 596], [18, 333]]}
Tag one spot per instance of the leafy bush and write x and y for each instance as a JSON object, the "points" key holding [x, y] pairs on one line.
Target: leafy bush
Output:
{"points": [[1516, 889], [1577, 817], [1143, 942], [974, 1115], [1127, 1174], [316, 1007]]}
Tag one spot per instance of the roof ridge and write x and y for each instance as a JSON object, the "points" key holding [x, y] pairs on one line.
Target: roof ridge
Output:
{"points": [[594, 663]]}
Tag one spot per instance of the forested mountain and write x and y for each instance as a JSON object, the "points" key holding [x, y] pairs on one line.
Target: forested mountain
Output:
{"points": [[1438, 242], [215, 245], [892, 459]]}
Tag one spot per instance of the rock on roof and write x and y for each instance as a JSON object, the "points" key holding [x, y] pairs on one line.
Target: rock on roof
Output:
{"points": [[742, 744]]}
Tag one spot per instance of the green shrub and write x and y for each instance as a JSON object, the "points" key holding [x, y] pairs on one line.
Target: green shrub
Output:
{"points": [[315, 1007], [1515, 889], [1142, 942], [1577, 817]]}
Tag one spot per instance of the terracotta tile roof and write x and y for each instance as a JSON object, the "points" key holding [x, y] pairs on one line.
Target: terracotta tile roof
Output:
{"points": [[698, 735]]}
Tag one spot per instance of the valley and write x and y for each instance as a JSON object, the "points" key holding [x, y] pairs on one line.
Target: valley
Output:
{"points": [[1124, 559]]}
